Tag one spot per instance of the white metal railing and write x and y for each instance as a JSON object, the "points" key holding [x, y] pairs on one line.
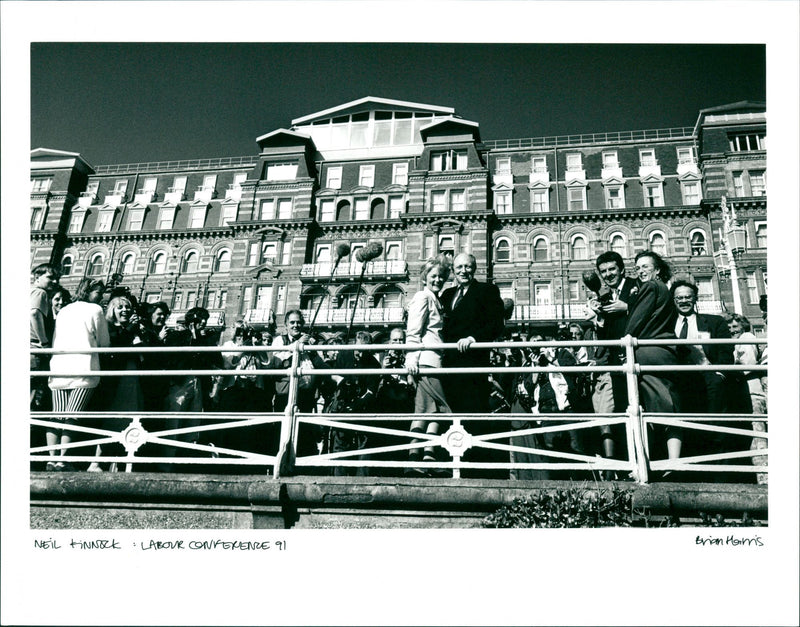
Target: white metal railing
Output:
{"points": [[362, 315], [567, 311], [590, 138], [282, 454], [376, 267]]}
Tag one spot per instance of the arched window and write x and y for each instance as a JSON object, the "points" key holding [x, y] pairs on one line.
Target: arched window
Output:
{"points": [[502, 251], [579, 248], [618, 244], [349, 295], [126, 264], [697, 240], [223, 261], [315, 297], [160, 262], [190, 262], [343, 211], [388, 296], [66, 265], [541, 248], [96, 265], [378, 210], [658, 243]]}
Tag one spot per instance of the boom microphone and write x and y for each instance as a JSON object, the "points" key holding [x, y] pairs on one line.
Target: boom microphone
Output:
{"points": [[342, 250], [369, 252]]}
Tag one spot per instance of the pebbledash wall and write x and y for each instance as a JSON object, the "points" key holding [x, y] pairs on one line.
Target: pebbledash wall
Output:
{"points": [[252, 237]]}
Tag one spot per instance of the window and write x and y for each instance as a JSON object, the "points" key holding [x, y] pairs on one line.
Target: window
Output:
{"points": [[758, 184], [610, 160], [362, 209], [37, 217], [238, 179], [354, 248], [652, 195], [574, 291], [284, 208], [503, 165], [66, 265], [697, 242], [286, 253], [429, 250], [223, 261], [761, 234], [541, 293], [280, 299], [539, 200], [326, 210], [574, 162], [539, 164], [658, 243], [576, 198], [502, 251], [281, 171], [738, 184], [120, 187], [449, 160], [149, 185], [647, 158], [685, 155], [359, 129], [190, 262], [178, 301], [506, 289], [395, 206], [615, 198], [502, 202], [618, 244], [160, 263], [691, 193], [104, 221], [267, 209], [96, 265], [366, 175], [252, 255], [457, 200], [541, 249], [579, 250], [747, 142], [400, 173], [209, 182], [438, 200], [76, 221], [135, 219], [197, 219], [752, 288], [39, 186], [394, 251], [222, 299], [228, 213], [126, 264], [334, 177], [447, 245], [166, 218], [269, 252], [323, 254], [705, 290], [191, 299]]}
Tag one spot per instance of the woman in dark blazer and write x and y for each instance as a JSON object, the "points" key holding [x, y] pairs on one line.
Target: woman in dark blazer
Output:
{"points": [[651, 316]]}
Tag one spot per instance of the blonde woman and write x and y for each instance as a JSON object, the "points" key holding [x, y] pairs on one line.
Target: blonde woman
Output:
{"points": [[424, 327]]}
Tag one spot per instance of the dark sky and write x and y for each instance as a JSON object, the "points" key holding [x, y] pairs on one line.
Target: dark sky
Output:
{"points": [[120, 103]]}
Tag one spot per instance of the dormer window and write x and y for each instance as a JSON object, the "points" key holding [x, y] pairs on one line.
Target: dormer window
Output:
{"points": [[366, 176], [574, 163], [647, 158], [39, 186], [748, 142], [400, 173], [334, 177], [105, 220], [610, 160], [281, 171], [449, 160]]}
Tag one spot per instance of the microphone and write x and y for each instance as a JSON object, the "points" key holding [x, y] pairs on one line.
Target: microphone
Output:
{"points": [[369, 252], [342, 250], [592, 281]]}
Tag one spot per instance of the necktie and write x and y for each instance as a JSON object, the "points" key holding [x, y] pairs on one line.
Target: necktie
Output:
{"points": [[684, 329], [459, 296], [614, 294]]}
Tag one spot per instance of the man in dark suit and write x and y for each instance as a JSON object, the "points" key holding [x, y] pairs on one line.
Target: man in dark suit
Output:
{"points": [[609, 391], [709, 392], [473, 312]]}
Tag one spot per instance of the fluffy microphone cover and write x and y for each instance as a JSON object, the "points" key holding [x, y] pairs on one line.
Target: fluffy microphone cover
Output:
{"points": [[592, 281], [342, 250], [369, 252]]}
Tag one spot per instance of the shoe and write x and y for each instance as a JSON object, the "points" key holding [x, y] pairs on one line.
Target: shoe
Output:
{"points": [[94, 467], [51, 466], [415, 472]]}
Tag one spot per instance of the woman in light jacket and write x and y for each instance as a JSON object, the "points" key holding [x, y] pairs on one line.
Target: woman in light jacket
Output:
{"points": [[425, 327], [79, 325]]}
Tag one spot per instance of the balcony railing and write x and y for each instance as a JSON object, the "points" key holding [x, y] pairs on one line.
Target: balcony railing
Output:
{"points": [[363, 315], [394, 267], [185, 438], [570, 311], [590, 138], [186, 164]]}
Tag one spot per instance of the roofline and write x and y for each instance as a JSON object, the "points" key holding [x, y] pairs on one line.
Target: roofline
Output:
{"points": [[386, 101], [282, 131], [66, 153], [726, 107], [450, 119]]}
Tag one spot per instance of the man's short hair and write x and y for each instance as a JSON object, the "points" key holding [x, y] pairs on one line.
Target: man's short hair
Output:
{"points": [[611, 256], [401, 329], [683, 283], [44, 268], [294, 311], [196, 314], [472, 260], [363, 337]]}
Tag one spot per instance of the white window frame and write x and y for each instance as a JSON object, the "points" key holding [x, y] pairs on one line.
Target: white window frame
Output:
{"points": [[120, 187], [705, 289], [574, 239], [439, 201], [539, 164], [166, 218], [502, 202], [396, 206], [327, 210], [197, 217], [647, 157], [663, 251], [747, 142], [157, 256], [286, 171], [752, 288], [687, 197], [186, 260], [756, 226], [573, 291], [702, 233], [620, 188], [125, 268], [41, 185], [286, 253], [37, 216], [334, 177], [266, 209], [738, 184], [92, 265], [545, 204], [285, 206], [536, 240], [762, 187], [624, 249], [218, 260], [503, 165], [657, 200], [238, 179], [105, 219], [366, 175], [209, 182], [507, 250], [400, 173], [453, 203], [574, 162], [361, 209], [269, 252], [610, 159], [394, 245], [581, 189], [66, 268], [229, 211], [136, 219], [76, 221], [253, 253], [542, 291], [324, 251], [685, 154], [449, 160]]}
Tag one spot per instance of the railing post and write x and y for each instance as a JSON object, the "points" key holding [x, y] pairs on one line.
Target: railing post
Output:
{"points": [[284, 462], [636, 426]]}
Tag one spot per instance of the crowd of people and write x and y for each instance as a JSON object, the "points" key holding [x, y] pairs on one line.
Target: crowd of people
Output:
{"points": [[649, 306]]}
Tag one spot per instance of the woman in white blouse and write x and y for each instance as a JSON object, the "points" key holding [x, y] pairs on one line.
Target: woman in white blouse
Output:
{"points": [[425, 327]]}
